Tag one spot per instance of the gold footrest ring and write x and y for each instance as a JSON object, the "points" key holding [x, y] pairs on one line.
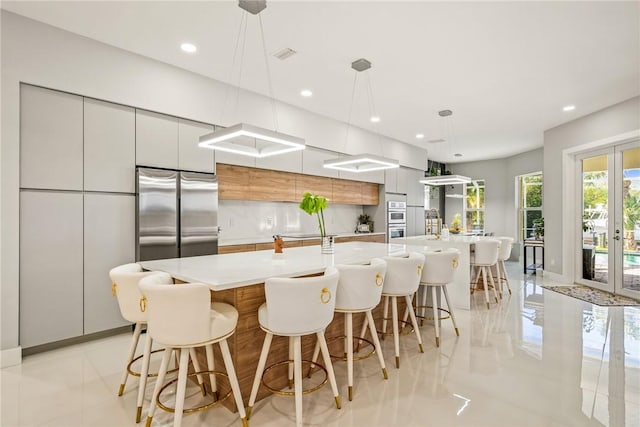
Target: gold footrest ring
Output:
{"points": [[356, 348], [448, 316], [291, 393], [403, 323], [154, 374], [197, 408]]}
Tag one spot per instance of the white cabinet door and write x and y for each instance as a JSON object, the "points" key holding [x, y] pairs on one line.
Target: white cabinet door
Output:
{"points": [[402, 180], [156, 140], [419, 225], [50, 139], [190, 156], [313, 161], [50, 267], [411, 222], [415, 190], [109, 241], [109, 147], [391, 180], [288, 162], [375, 176]]}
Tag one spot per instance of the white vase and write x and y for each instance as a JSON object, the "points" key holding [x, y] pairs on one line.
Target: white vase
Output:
{"points": [[328, 243]]}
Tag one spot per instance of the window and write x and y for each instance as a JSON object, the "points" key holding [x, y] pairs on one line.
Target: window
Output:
{"points": [[474, 207], [530, 203]]}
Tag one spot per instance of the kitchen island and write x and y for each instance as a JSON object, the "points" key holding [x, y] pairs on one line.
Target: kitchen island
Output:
{"points": [[238, 279]]}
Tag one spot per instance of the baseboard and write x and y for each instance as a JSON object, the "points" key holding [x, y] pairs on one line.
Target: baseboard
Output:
{"points": [[10, 357], [557, 277]]}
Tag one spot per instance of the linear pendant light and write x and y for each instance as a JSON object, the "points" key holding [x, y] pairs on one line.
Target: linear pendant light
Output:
{"points": [[231, 139], [445, 180], [361, 162]]}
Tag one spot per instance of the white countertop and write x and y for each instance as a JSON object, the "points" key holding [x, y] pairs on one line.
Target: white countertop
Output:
{"points": [[228, 271], [268, 239], [453, 241]]}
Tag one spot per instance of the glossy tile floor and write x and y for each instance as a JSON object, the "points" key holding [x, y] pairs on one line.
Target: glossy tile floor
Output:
{"points": [[538, 358]]}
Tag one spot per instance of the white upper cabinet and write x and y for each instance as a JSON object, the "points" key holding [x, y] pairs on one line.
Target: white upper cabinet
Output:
{"points": [[190, 156], [391, 180], [288, 162], [375, 176], [50, 139], [109, 147], [156, 140], [313, 160]]}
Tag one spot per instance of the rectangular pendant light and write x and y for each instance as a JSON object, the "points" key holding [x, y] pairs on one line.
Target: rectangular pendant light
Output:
{"points": [[278, 143], [361, 163], [445, 180]]}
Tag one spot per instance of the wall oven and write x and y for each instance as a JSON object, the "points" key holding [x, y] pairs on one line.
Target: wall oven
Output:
{"points": [[397, 231], [396, 213]]}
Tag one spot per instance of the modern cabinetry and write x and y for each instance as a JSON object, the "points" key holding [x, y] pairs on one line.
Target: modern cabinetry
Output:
{"points": [[190, 156], [109, 147], [109, 240], [288, 162], [313, 161], [243, 183], [51, 294], [156, 140], [50, 139]]}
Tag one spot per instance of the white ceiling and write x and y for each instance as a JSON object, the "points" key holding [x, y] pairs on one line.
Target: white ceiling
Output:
{"points": [[506, 69]]}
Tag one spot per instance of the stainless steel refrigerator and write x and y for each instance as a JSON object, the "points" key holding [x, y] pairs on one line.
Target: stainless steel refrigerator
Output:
{"points": [[177, 214]]}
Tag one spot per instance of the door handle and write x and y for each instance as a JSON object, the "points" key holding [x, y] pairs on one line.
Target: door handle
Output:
{"points": [[616, 237]]}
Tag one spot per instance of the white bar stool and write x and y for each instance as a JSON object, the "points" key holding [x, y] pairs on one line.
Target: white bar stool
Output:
{"points": [[295, 307], [182, 317], [359, 291], [486, 256], [439, 270], [506, 244], [402, 280], [125, 280]]}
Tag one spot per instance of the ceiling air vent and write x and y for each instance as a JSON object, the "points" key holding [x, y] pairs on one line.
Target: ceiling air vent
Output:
{"points": [[285, 53]]}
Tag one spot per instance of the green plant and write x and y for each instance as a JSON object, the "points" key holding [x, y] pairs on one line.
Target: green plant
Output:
{"points": [[538, 227], [456, 223], [315, 204], [364, 219]]}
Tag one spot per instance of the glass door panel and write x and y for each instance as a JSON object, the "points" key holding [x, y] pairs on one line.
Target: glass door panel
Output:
{"points": [[629, 236], [595, 222]]}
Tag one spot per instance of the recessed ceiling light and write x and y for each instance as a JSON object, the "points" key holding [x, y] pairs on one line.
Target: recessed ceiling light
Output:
{"points": [[435, 141], [569, 108], [419, 135], [188, 47], [374, 119], [306, 93], [457, 155]]}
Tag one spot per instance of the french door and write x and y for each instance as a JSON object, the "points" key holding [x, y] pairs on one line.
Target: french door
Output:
{"points": [[608, 218]]}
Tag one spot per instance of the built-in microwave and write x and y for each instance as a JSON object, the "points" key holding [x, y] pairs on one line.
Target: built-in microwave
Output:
{"points": [[396, 213]]}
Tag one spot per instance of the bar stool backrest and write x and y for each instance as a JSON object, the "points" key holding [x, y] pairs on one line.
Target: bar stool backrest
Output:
{"points": [[125, 278], [506, 243], [403, 274], [487, 252], [178, 315], [440, 267], [360, 286], [301, 305]]}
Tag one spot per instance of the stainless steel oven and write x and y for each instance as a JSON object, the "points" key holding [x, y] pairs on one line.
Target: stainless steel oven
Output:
{"points": [[396, 213]]}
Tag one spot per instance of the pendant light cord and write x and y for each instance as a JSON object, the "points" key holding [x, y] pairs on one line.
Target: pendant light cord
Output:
{"points": [[373, 113], [266, 64], [353, 96], [241, 36]]}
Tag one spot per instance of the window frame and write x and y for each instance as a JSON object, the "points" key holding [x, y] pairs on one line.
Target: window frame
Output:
{"points": [[522, 209], [481, 212]]}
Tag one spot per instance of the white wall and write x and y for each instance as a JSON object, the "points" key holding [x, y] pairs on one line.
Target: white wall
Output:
{"points": [[43, 55], [615, 120], [500, 190]]}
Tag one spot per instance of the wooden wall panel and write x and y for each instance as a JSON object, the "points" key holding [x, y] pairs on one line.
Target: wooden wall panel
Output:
{"points": [[272, 185], [233, 182], [231, 249], [314, 185], [369, 193]]}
